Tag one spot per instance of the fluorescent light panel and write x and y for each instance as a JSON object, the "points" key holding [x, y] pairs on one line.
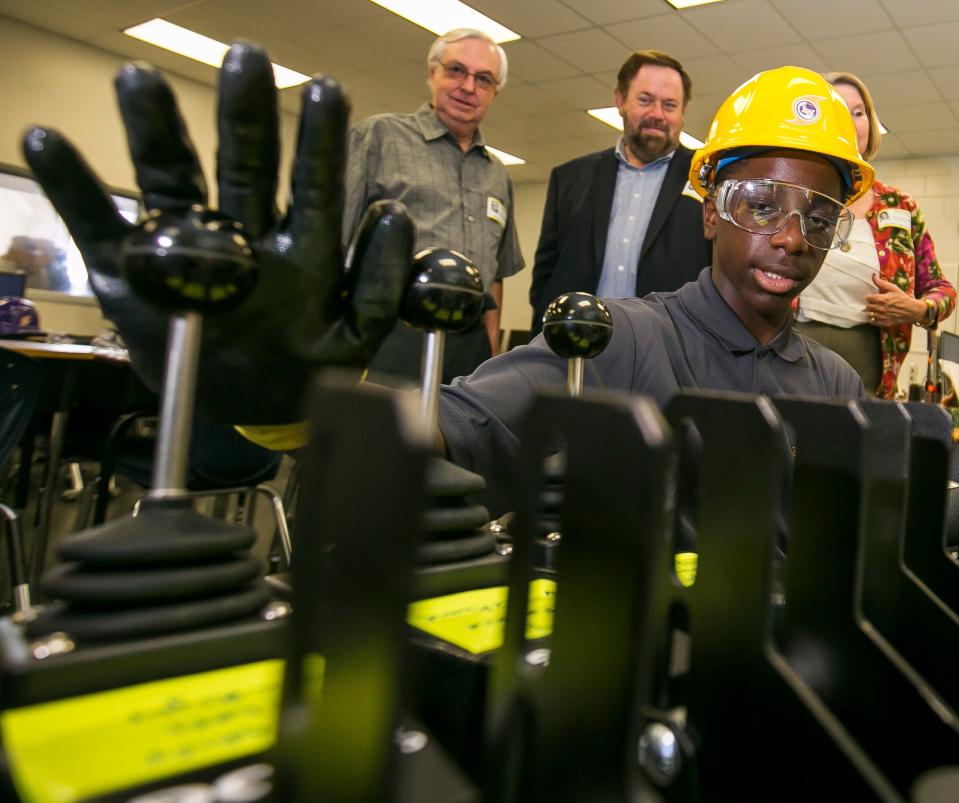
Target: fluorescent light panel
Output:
{"points": [[440, 16], [201, 48], [506, 158], [690, 3], [610, 116]]}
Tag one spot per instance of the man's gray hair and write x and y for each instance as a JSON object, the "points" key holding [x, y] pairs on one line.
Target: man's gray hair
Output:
{"points": [[435, 56]]}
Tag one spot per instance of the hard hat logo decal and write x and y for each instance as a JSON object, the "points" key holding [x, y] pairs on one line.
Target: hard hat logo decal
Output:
{"points": [[806, 109]]}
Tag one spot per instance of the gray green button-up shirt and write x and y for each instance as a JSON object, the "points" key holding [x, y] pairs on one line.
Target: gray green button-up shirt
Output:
{"points": [[458, 200]]}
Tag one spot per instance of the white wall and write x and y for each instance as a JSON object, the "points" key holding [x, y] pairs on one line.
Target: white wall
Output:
{"points": [[528, 200]]}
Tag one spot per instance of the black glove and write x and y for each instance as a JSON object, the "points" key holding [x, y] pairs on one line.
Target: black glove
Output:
{"points": [[306, 310]]}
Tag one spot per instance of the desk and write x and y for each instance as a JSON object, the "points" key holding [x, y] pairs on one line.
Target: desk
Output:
{"points": [[73, 373]]}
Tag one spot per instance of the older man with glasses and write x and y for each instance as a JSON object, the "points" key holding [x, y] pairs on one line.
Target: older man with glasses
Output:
{"points": [[457, 193]]}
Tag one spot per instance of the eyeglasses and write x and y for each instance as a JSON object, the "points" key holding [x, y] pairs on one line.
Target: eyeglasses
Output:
{"points": [[454, 71], [764, 206]]}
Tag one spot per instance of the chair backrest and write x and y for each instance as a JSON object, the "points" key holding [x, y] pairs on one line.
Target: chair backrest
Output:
{"points": [[20, 385], [220, 457]]}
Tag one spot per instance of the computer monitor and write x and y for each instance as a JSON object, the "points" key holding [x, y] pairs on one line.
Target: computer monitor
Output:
{"points": [[12, 283], [949, 360], [35, 241], [949, 347]]}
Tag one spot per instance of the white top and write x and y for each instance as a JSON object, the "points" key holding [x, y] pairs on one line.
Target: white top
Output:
{"points": [[838, 294]]}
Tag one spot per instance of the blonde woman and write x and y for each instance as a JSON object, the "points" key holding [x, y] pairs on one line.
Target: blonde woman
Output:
{"points": [[884, 279]]}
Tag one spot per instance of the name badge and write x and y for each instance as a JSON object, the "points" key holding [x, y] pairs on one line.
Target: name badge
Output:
{"points": [[894, 219], [689, 192], [496, 210]]}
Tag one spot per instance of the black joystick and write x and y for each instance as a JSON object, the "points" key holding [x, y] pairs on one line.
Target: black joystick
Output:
{"points": [[169, 568], [446, 295], [577, 327]]}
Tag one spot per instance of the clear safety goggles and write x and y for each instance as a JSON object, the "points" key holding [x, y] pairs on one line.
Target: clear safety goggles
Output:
{"points": [[764, 206]]}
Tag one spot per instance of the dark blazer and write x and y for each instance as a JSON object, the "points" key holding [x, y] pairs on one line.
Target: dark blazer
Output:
{"points": [[572, 240]]}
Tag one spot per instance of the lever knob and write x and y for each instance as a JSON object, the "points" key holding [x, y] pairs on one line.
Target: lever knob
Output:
{"points": [[577, 325], [199, 261], [445, 294]]}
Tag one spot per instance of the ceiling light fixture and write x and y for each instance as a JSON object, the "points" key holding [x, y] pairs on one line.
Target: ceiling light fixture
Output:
{"points": [[690, 3], [610, 115], [440, 16], [506, 158], [201, 48]]}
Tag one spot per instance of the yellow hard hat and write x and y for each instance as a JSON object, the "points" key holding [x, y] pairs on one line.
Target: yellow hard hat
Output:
{"points": [[789, 107]]}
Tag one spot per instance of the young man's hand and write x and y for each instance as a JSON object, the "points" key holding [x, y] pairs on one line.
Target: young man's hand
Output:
{"points": [[306, 309]]}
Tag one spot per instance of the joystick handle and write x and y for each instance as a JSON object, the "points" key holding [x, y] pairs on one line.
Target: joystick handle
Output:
{"points": [[577, 327], [186, 264], [445, 295]]}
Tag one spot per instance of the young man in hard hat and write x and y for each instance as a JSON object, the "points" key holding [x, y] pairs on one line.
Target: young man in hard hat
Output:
{"points": [[779, 164]]}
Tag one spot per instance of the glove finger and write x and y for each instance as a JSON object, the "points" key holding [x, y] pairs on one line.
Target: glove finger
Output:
{"points": [[249, 150], [167, 168], [381, 270], [75, 192], [316, 211]]}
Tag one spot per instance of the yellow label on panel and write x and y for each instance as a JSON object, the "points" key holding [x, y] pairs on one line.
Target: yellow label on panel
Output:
{"points": [[684, 564], [474, 620], [75, 748]]}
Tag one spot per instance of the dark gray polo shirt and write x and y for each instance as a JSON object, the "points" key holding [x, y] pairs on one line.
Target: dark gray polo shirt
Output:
{"points": [[689, 338], [457, 200]]}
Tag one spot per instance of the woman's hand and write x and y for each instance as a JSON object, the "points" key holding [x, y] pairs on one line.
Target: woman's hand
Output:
{"points": [[891, 306]]}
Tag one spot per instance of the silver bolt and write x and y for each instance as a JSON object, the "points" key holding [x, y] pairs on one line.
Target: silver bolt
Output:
{"points": [[276, 610], [538, 657], [496, 528], [553, 537], [504, 549], [659, 754], [55, 644], [410, 741]]}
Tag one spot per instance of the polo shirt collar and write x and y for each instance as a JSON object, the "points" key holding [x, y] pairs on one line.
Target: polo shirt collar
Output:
{"points": [[703, 302], [431, 127]]}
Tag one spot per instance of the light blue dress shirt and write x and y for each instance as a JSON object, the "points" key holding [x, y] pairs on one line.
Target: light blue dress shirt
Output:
{"points": [[633, 201]]}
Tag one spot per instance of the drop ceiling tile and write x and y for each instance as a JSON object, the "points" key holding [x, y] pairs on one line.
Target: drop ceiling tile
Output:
{"points": [[583, 91], [603, 12], [921, 12], [669, 33], [870, 53], [592, 50], [531, 62], [714, 74], [893, 88], [918, 117], [115, 16], [934, 44], [946, 80], [64, 22], [930, 143], [829, 18], [801, 55], [742, 25], [529, 99], [700, 112], [532, 18]]}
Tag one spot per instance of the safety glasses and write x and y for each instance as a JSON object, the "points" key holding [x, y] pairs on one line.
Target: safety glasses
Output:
{"points": [[764, 206]]}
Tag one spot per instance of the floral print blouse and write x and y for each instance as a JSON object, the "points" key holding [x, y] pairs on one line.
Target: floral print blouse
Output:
{"points": [[908, 259]]}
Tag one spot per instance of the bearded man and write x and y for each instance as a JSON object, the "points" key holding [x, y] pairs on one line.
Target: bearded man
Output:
{"points": [[625, 222]]}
